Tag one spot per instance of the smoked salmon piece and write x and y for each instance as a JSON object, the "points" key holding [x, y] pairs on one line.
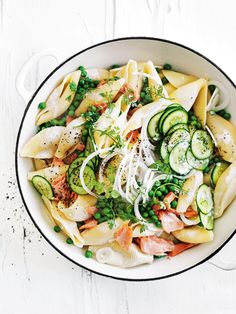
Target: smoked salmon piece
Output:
{"points": [[179, 248], [170, 222], [124, 236], [89, 223], [155, 245]]}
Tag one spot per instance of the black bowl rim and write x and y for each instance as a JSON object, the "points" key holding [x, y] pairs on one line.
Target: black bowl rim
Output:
{"points": [[17, 149]]}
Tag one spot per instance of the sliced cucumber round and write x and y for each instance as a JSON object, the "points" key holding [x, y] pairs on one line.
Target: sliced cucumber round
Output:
{"points": [[166, 112], [202, 146], [207, 220], [204, 199], [177, 159], [164, 150], [217, 171], [153, 127], [178, 126], [174, 117], [77, 163], [198, 164], [180, 135], [75, 183], [43, 186]]}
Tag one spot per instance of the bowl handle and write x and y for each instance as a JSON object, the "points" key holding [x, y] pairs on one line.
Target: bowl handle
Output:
{"points": [[218, 262], [20, 79]]}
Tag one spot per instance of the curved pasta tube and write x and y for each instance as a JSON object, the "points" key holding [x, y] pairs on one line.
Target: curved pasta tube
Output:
{"points": [[138, 118], [225, 191], [70, 137], [39, 164], [101, 233], [224, 133], [178, 79], [187, 94], [43, 144], [98, 74], [106, 121], [113, 254], [194, 234], [169, 88], [68, 227], [189, 189], [50, 173], [154, 82], [200, 105], [78, 210], [60, 98], [103, 94]]}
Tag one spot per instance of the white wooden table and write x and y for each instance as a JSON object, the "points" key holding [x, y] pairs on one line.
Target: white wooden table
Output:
{"points": [[34, 278]]}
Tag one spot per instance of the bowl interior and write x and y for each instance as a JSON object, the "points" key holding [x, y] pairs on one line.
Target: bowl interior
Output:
{"points": [[103, 55]]}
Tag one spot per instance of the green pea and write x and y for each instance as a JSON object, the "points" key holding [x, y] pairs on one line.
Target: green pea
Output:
{"points": [[164, 80], [167, 66], [206, 170], [88, 254], [97, 215], [93, 108], [83, 73], [173, 204], [81, 90], [162, 189], [171, 188], [105, 211], [175, 181], [227, 116], [221, 112], [81, 82], [86, 86], [76, 104], [193, 118], [145, 215], [151, 213], [57, 229], [81, 68], [69, 241], [158, 70], [198, 125], [84, 138], [154, 218], [42, 105], [96, 82], [54, 121], [194, 123], [88, 79], [150, 193], [148, 98], [155, 201], [157, 183], [158, 223], [165, 191], [211, 88], [102, 219], [78, 97], [129, 209], [216, 159], [71, 113], [211, 162], [142, 209], [142, 94], [85, 132], [115, 66]]}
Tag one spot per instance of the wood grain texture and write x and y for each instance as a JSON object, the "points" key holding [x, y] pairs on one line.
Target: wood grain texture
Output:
{"points": [[34, 278]]}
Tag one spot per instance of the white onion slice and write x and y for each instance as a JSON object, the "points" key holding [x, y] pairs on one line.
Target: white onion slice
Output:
{"points": [[212, 136], [220, 95]]}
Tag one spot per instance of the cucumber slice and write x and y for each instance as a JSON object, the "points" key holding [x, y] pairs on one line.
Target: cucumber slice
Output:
{"points": [[75, 183], [90, 148], [177, 159], [178, 126], [167, 111], [153, 127], [207, 220], [43, 186], [204, 199], [202, 146], [178, 136], [198, 164], [217, 171], [77, 163], [174, 117], [164, 150]]}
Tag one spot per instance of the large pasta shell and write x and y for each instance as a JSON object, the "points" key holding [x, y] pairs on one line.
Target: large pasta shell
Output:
{"points": [[78, 210], [70, 137], [225, 191], [178, 79], [224, 133], [102, 94], [60, 99], [113, 254], [101, 233], [194, 234], [154, 82], [200, 105], [50, 173], [43, 144], [189, 189], [187, 94], [68, 227]]}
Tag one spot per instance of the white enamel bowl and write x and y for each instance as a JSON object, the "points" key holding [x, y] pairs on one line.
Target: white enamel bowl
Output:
{"points": [[119, 51]]}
